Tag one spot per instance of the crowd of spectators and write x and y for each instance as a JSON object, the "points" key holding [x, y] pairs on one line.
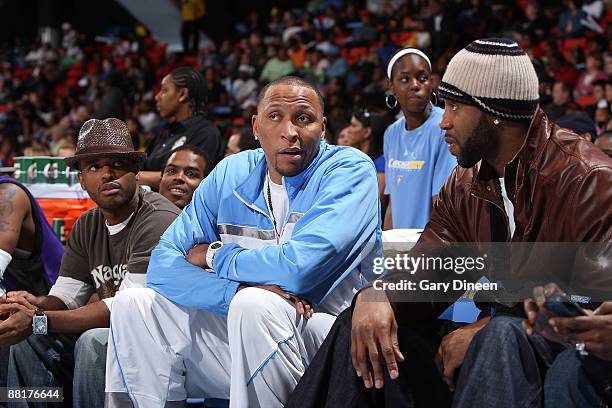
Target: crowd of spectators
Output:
{"points": [[47, 91]]}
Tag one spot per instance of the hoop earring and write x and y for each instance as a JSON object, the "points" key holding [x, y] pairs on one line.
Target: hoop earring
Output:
{"points": [[389, 105], [435, 95]]}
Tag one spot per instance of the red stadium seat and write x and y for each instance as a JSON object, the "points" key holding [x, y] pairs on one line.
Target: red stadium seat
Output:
{"points": [[72, 82], [59, 91], [356, 54], [606, 19], [586, 100], [191, 60], [572, 43], [92, 68]]}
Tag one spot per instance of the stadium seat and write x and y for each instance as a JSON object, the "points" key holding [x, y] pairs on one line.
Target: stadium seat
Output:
{"points": [[356, 54], [586, 100]]}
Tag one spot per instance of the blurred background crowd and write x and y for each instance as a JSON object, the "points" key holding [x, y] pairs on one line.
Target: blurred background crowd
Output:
{"points": [[48, 88]]}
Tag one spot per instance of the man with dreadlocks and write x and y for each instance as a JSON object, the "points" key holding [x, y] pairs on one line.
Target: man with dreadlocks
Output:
{"points": [[181, 101]]}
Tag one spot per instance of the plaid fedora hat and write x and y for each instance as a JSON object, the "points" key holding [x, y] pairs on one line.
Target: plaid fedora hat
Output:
{"points": [[104, 138]]}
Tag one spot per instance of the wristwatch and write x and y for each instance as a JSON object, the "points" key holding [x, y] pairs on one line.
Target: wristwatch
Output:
{"points": [[39, 322], [210, 253]]}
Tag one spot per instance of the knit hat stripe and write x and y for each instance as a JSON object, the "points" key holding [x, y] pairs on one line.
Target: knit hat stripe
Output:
{"points": [[495, 49], [495, 75], [496, 42], [505, 108]]}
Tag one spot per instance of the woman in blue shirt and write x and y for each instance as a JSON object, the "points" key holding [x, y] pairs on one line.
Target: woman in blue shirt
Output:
{"points": [[418, 161]]}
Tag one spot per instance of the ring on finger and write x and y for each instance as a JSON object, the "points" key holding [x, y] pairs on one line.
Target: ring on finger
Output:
{"points": [[581, 349]]}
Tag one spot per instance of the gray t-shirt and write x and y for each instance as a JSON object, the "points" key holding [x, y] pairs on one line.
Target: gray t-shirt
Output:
{"points": [[99, 259]]}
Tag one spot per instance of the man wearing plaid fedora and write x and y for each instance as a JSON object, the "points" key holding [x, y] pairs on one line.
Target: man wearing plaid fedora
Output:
{"points": [[107, 250]]}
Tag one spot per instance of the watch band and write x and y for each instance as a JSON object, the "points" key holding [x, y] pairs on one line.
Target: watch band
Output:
{"points": [[210, 253]]}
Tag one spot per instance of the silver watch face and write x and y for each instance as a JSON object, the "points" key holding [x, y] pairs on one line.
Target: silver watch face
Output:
{"points": [[39, 325]]}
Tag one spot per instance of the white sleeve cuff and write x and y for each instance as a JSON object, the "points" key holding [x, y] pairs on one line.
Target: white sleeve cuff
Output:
{"points": [[133, 280], [72, 292]]}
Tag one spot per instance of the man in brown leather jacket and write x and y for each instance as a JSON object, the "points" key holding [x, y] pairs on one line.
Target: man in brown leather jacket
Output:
{"points": [[520, 178]]}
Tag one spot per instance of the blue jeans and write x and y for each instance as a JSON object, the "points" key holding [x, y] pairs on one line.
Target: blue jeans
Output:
{"points": [[504, 367], [568, 384], [77, 363]]}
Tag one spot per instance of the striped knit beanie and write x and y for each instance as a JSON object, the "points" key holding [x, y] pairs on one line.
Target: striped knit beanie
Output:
{"points": [[495, 75]]}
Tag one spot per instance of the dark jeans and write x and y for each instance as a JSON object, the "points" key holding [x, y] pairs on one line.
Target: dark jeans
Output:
{"points": [[77, 363], [523, 371], [573, 381], [504, 367], [330, 380]]}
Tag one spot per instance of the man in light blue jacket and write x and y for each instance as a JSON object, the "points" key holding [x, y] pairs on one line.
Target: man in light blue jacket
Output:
{"points": [[271, 235]]}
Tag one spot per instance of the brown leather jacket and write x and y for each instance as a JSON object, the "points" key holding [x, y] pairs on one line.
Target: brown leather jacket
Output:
{"points": [[560, 186]]}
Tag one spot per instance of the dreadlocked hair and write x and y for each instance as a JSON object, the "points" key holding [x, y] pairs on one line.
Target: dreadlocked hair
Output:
{"points": [[197, 95]]}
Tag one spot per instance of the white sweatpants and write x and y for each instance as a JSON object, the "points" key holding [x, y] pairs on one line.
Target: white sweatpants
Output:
{"points": [[164, 352]]}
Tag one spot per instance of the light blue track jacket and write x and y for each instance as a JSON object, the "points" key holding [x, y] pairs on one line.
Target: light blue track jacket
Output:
{"points": [[333, 212]]}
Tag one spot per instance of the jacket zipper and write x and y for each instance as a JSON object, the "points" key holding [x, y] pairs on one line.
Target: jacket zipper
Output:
{"points": [[499, 208]]}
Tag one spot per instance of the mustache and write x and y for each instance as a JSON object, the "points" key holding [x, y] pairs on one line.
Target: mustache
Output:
{"points": [[110, 186]]}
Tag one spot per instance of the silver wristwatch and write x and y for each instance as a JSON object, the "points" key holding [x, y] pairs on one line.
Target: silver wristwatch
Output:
{"points": [[210, 253], [39, 322]]}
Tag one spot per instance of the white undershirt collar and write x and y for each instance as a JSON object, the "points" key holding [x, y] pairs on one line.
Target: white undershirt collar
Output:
{"points": [[508, 206], [117, 228]]}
